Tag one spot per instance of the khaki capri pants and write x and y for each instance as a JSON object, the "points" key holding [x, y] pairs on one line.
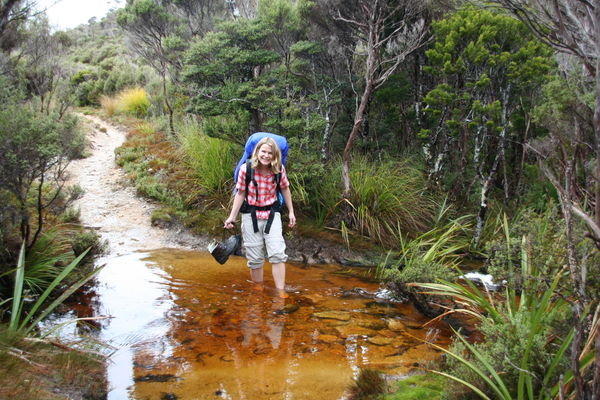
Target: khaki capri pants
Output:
{"points": [[255, 244]]}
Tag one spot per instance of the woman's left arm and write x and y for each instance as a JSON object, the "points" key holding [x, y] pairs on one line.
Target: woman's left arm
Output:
{"points": [[287, 197]]}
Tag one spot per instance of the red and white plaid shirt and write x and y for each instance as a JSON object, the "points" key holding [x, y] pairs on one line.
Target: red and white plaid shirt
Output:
{"points": [[267, 188]]}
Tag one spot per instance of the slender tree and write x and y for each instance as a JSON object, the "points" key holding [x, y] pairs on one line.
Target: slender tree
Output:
{"points": [[13, 12], [386, 32], [571, 27], [153, 30]]}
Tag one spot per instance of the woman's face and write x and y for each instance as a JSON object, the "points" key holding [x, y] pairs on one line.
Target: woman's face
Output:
{"points": [[265, 155]]}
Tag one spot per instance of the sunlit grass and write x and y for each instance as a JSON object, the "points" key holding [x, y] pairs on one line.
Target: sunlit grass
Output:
{"points": [[134, 102]]}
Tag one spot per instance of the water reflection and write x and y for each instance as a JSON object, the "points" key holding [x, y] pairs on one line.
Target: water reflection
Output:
{"points": [[184, 327]]}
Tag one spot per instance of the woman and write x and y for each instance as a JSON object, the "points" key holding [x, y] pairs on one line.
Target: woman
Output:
{"points": [[261, 217]]}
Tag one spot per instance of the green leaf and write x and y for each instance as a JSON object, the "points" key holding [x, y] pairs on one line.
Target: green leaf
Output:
{"points": [[17, 304]]}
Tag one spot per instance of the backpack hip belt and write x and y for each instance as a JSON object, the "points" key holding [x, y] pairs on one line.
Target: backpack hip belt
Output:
{"points": [[249, 209]]}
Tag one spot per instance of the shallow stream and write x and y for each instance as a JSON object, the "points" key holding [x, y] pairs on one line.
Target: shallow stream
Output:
{"points": [[182, 326]]}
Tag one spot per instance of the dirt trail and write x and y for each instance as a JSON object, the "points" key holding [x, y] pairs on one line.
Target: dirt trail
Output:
{"points": [[110, 205]]}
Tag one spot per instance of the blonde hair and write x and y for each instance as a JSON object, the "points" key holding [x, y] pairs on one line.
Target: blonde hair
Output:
{"points": [[275, 162]]}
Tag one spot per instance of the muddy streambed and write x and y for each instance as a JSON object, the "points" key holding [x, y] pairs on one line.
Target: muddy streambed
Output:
{"points": [[175, 324]]}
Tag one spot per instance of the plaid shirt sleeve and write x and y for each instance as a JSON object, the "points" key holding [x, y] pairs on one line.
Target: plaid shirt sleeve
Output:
{"points": [[284, 182], [241, 181]]}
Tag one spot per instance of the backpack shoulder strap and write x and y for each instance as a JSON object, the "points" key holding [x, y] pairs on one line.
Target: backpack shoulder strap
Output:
{"points": [[249, 172], [250, 178]]}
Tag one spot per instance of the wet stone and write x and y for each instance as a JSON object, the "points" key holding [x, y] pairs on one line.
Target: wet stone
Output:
{"points": [[287, 309], [380, 340], [352, 330], [156, 378], [375, 324], [339, 315], [328, 339], [395, 325]]}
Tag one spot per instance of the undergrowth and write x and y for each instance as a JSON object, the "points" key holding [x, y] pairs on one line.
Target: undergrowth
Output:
{"points": [[32, 369]]}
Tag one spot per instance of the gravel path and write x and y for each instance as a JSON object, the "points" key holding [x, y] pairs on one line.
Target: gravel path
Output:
{"points": [[110, 205]]}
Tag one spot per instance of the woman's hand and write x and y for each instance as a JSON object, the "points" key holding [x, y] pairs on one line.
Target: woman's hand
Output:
{"points": [[292, 218], [229, 223]]}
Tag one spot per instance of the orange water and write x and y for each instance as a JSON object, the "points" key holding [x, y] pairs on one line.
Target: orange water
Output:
{"points": [[182, 326]]}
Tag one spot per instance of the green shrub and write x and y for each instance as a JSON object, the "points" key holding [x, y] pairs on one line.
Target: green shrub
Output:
{"points": [[150, 187], [87, 239], [545, 238], [74, 192], [125, 155], [526, 336], [540, 191], [71, 216]]}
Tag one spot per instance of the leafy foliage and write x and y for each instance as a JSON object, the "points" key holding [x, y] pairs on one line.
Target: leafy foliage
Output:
{"points": [[36, 149], [522, 355], [25, 320], [488, 68]]}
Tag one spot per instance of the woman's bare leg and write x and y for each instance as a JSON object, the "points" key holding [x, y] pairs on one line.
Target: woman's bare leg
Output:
{"points": [[256, 275], [279, 275]]}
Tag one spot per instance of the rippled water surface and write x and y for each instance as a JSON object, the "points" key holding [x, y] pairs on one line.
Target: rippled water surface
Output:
{"points": [[182, 326]]}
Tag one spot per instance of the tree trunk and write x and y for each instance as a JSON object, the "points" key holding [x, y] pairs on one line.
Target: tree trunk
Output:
{"points": [[168, 104], [356, 127], [326, 134], [485, 188], [597, 139]]}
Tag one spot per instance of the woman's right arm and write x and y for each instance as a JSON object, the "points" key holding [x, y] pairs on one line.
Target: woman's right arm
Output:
{"points": [[235, 209]]}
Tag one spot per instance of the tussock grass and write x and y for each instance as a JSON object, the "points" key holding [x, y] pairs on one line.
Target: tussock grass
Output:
{"points": [[210, 161], [133, 102], [369, 384], [110, 105], [385, 196]]}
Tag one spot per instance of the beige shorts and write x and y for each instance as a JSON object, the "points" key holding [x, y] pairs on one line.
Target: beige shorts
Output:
{"points": [[255, 244]]}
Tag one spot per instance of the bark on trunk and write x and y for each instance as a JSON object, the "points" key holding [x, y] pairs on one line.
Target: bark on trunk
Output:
{"points": [[168, 104], [597, 139], [356, 127]]}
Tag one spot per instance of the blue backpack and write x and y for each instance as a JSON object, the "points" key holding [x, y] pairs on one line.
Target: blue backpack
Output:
{"points": [[247, 159]]}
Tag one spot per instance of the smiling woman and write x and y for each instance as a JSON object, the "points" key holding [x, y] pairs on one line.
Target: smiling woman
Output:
{"points": [[67, 14]]}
